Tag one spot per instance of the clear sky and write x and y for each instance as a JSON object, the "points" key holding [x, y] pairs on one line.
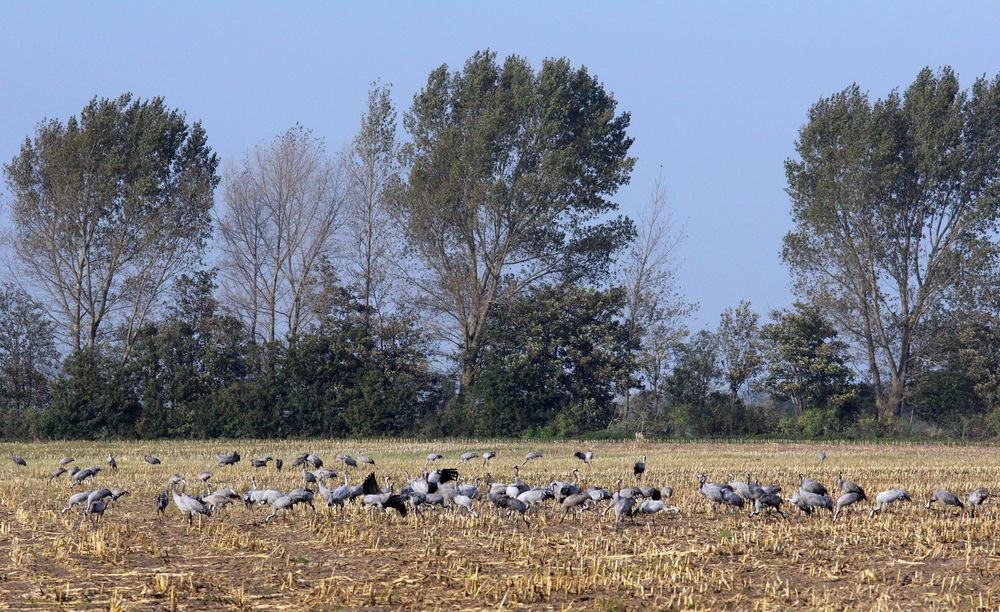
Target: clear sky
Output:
{"points": [[717, 91]]}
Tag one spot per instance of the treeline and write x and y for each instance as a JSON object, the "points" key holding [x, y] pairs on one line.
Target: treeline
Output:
{"points": [[463, 270]]}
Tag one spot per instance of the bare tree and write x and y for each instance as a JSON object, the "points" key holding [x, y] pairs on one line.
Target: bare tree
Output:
{"points": [[372, 168], [655, 312], [283, 208], [108, 209]]}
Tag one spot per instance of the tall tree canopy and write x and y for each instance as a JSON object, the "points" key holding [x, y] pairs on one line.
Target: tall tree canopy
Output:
{"points": [[895, 204], [511, 172], [108, 208]]}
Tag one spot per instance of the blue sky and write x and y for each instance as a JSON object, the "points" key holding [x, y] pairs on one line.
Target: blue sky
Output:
{"points": [[717, 90]]}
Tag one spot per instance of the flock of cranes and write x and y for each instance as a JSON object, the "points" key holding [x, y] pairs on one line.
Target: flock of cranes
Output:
{"points": [[444, 487]]}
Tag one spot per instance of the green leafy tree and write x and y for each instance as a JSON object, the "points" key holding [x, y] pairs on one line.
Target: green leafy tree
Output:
{"points": [[90, 399], [108, 209], [27, 359], [895, 204], [806, 362], [181, 362], [511, 174], [552, 363]]}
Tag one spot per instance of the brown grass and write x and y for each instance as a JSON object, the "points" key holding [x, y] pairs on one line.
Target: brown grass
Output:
{"points": [[908, 558]]}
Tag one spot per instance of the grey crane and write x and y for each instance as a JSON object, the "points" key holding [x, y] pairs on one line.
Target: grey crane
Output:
{"points": [[443, 475], [767, 501], [66, 461], [713, 491], [366, 459], [467, 456], [887, 498], [230, 459], [533, 497], [471, 490], [283, 502], [260, 496], [96, 509], [112, 463], [373, 496], [487, 456], [161, 500], [300, 460], [262, 462], [117, 493], [812, 486], [513, 506], [623, 507], [56, 473], [324, 474], [848, 499], [348, 460], [205, 476], [18, 460], [808, 501], [308, 477], [741, 488], [586, 457], [597, 494], [532, 456], [278, 464], [429, 482], [848, 486], [188, 505], [81, 475], [639, 468], [518, 486], [314, 460], [152, 459], [302, 496], [324, 492], [654, 506], [976, 499], [464, 501], [575, 500], [99, 495], [756, 490], [220, 499], [945, 498], [822, 456], [75, 500], [434, 457], [732, 498]]}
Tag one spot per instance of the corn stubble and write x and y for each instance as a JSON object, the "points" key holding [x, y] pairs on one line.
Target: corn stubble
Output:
{"points": [[354, 557]]}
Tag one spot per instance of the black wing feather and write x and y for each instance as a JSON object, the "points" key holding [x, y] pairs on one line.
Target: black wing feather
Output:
{"points": [[397, 503], [447, 475], [370, 485]]}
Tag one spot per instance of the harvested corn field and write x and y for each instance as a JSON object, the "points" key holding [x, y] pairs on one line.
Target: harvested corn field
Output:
{"points": [[361, 552]]}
